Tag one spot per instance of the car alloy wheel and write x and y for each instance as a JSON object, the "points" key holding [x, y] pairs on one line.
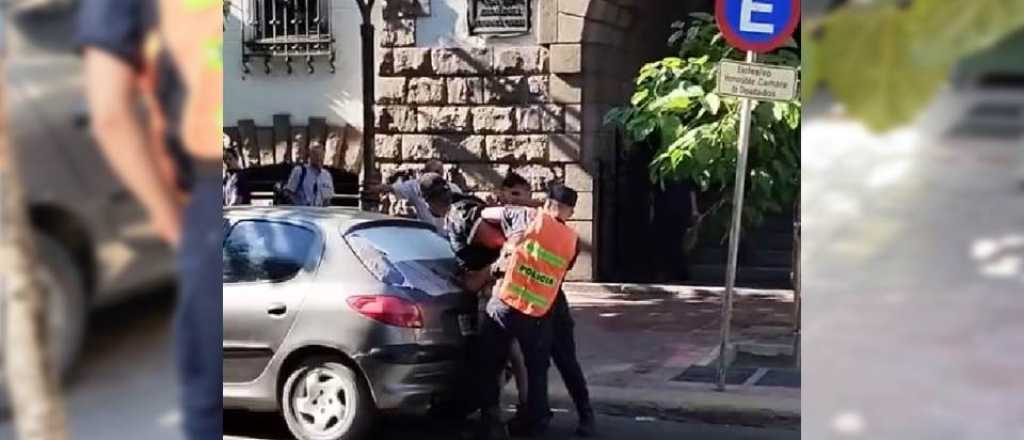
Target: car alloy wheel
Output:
{"points": [[325, 400]]}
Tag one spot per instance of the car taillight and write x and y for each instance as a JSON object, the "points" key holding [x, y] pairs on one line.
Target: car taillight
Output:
{"points": [[390, 310]]}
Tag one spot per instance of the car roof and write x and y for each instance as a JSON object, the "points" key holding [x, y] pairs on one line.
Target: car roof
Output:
{"points": [[326, 217]]}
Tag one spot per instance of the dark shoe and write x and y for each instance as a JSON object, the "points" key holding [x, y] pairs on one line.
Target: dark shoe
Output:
{"points": [[588, 426]]}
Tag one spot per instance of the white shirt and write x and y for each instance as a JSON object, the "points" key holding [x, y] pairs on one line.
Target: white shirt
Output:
{"points": [[317, 188], [410, 190]]}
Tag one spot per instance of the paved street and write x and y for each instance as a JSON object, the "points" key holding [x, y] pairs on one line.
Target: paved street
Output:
{"points": [[247, 426], [124, 387], [914, 268]]}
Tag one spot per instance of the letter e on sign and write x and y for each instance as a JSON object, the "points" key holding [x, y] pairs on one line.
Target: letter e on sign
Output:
{"points": [[757, 25]]}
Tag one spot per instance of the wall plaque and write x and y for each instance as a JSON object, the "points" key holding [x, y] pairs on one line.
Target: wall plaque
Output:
{"points": [[499, 16]]}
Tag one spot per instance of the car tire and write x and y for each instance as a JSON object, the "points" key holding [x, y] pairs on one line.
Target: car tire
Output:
{"points": [[314, 392], [67, 312]]}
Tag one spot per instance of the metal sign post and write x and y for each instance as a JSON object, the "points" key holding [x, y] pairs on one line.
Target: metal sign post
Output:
{"points": [[752, 26], [743, 144], [369, 200]]}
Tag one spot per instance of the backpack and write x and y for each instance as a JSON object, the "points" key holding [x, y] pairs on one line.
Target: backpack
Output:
{"points": [[462, 219], [281, 196]]}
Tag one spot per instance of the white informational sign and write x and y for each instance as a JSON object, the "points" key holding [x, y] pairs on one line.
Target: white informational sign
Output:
{"points": [[757, 81]]}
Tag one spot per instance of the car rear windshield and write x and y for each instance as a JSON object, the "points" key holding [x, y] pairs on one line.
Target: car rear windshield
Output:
{"points": [[406, 256]]}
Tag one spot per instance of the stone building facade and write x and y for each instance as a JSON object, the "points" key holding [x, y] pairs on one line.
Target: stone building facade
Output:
{"points": [[532, 102], [497, 107]]}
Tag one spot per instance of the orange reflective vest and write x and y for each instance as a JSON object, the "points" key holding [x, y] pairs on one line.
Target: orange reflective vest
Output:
{"points": [[536, 270], [192, 31]]}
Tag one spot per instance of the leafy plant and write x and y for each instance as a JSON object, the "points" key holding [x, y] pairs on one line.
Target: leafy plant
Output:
{"points": [[885, 61], [693, 130]]}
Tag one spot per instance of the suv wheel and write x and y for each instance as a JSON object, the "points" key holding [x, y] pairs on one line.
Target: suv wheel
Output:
{"points": [[66, 308], [323, 399]]}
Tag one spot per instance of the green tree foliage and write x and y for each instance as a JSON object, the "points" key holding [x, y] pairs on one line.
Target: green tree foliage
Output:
{"points": [[885, 61], [675, 111]]}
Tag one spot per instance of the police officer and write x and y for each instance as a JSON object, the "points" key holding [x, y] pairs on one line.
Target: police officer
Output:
{"points": [[533, 265], [563, 353]]}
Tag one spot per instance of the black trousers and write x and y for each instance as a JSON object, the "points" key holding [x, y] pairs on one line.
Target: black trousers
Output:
{"points": [[563, 353], [500, 326]]}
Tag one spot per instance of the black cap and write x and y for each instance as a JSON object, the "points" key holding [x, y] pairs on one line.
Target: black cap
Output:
{"points": [[563, 194], [433, 186]]}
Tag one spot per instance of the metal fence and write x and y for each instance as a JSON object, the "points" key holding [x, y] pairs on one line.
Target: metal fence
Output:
{"points": [[289, 30]]}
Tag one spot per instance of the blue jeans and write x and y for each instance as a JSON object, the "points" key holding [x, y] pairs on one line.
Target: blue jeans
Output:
{"points": [[199, 316]]}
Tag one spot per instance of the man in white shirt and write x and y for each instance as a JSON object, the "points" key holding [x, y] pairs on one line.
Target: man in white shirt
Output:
{"points": [[430, 194], [436, 166], [311, 184]]}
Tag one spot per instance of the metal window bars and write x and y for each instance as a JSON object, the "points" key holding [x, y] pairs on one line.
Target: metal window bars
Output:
{"points": [[289, 30]]}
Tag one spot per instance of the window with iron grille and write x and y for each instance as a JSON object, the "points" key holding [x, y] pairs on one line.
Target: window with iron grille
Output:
{"points": [[287, 30]]}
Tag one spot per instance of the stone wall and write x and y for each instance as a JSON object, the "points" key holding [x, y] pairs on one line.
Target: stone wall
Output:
{"points": [[486, 110]]}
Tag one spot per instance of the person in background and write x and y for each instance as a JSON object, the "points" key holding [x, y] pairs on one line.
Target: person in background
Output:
{"points": [[231, 193], [311, 184], [432, 198], [516, 191], [433, 166], [430, 194], [437, 167], [129, 56]]}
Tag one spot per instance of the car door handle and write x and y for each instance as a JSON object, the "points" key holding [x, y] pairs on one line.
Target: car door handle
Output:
{"points": [[277, 310]]}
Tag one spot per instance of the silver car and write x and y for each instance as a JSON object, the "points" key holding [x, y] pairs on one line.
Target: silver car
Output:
{"points": [[334, 314], [93, 239]]}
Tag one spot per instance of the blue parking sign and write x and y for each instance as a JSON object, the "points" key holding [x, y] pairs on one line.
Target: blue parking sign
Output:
{"points": [[757, 25]]}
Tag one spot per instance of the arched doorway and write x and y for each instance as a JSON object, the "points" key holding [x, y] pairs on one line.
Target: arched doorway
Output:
{"points": [[615, 39]]}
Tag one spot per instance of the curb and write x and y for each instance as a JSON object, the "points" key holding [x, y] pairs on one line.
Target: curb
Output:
{"points": [[666, 289], [701, 404]]}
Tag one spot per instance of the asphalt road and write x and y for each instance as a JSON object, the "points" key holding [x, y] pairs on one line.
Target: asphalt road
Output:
{"points": [[913, 253], [124, 386], [250, 426]]}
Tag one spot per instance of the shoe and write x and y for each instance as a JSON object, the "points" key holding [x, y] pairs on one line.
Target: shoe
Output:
{"points": [[588, 426]]}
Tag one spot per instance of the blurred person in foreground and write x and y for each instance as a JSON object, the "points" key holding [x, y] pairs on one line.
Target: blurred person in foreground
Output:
{"points": [[133, 53], [311, 184]]}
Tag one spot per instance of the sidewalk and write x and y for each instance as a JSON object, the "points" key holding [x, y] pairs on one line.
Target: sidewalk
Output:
{"points": [[634, 341]]}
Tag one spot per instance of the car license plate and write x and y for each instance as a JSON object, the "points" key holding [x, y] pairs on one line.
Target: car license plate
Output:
{"points": [[466, 326]]}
